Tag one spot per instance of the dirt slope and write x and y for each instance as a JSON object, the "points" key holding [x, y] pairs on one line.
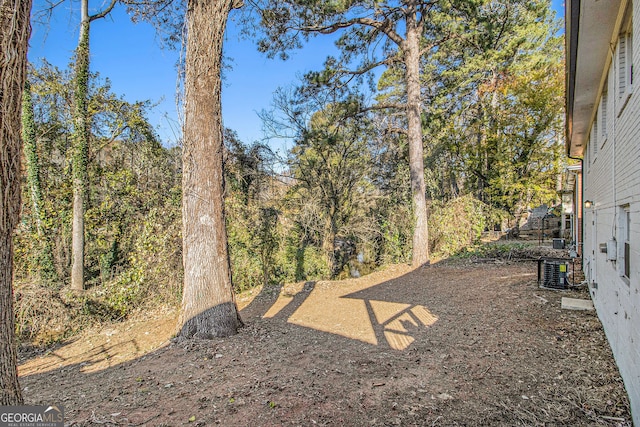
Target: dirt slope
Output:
{"points": [[444, 345]]}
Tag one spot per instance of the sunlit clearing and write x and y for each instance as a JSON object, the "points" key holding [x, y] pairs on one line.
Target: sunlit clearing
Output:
{"points": [[400, 320], [328, 309], [385, 311], [398, 341], [104, 349], [346, 317], [277, 306]]}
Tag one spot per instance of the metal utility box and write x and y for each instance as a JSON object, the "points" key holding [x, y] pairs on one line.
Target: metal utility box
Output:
{"points": [[612, 250], [558, 243], [553, 273]]}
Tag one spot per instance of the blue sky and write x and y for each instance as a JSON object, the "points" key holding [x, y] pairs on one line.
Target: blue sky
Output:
{"points": [[131, 57]]}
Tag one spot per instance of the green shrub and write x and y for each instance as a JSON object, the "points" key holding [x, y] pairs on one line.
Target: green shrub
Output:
{"points": [[125, 293], [500, 249], [456, 224]]}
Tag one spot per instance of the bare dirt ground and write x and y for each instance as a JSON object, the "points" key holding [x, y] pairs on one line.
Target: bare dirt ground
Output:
{"points": [[475, 344]]}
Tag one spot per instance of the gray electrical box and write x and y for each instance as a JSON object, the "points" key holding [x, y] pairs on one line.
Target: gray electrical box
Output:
{"points": [[558, 243], [612, 250]]}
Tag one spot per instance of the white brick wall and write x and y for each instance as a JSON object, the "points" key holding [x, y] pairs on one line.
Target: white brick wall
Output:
{"points": [[612, 180]]}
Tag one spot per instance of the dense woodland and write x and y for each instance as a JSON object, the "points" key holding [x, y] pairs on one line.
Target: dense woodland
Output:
{"points": [[471, 92], [339, 203]]}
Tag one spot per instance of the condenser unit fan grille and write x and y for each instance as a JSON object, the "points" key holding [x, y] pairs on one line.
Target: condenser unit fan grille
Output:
{"points": [[555, 275]]}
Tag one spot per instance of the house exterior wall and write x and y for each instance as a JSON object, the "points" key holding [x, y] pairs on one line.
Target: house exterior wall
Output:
{"points": [[611, 180], [578, 216]]}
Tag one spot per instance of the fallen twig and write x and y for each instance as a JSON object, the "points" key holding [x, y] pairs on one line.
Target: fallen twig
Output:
{"points": [[604, 417], [544, 300]]}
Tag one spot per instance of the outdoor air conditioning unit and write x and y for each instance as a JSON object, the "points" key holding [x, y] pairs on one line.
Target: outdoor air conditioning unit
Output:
{"points": [[555, 274]]}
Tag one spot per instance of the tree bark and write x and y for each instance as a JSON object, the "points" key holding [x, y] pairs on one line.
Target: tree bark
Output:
{"points": [[208, 302], [80, 149], [329, 242], [14, 37], [411, 47]]}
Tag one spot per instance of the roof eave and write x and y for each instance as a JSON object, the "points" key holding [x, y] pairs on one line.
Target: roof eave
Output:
{"points": [[572, 21]]}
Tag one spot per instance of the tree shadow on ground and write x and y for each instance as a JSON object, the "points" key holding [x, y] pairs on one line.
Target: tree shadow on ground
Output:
{"points": [[388, 313], [324, 355], [396, 312]]}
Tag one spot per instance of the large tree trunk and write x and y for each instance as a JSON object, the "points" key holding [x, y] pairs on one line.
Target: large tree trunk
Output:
{"points": [[14, 36], [208, 303], [329, 243], [80, 149], [414, 134]]}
